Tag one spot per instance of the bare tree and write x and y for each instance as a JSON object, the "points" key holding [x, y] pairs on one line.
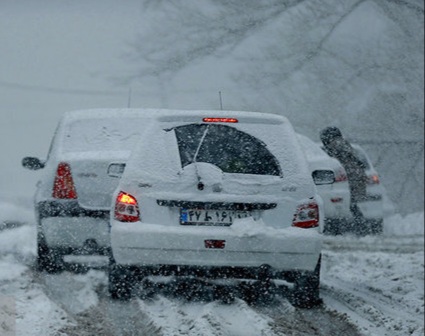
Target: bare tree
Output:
{"points": [[357, 64]]}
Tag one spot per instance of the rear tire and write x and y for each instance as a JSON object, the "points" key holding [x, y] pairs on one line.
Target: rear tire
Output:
{"points": [[334, 227], [306, 292], [224, 294], [120, 282], [48, 260], [376, 226]]}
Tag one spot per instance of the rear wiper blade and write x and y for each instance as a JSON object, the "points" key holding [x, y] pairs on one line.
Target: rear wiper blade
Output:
{"points": [[198, 176], [200, 144]]}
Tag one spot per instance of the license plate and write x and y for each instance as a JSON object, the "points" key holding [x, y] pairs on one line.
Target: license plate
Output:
{"points": [[210, 217]]}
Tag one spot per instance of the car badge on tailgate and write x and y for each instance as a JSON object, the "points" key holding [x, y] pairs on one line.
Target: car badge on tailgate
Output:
{"points": [[215, 244]]}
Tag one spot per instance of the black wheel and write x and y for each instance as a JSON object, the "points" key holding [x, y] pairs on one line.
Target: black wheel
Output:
{"points": [[48, 260], [149, 289], [306, 292], [335, 227], [260, 291], [376, 226], [361, 227], [248, 292], [120, 282], [223, 293]]}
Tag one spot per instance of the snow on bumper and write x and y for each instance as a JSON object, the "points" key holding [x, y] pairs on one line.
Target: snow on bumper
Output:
{"points": [[73, 232], [336, 204], [372, 208], [143, 244]]}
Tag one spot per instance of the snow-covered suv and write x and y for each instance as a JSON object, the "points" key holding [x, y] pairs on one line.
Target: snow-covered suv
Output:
{"points": [[217, 194], [73, 196]]}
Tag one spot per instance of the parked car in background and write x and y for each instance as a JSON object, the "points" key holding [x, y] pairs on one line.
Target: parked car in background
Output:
{"points": [[217, 194], [373, 207], [332, 185], [73, 197]]}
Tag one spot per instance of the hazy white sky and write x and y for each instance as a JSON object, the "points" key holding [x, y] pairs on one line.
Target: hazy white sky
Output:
{"points": [[56, 56], [60, 55]]}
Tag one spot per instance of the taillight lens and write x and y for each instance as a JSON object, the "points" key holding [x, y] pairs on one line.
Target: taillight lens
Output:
{"points": [[306, 216], [222, 120], [126, 208], [373, 179], [63, 186], [341, 175]]}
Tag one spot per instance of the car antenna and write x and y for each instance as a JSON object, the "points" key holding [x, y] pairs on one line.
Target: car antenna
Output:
{"points": [[221, 102], [129, 98]]}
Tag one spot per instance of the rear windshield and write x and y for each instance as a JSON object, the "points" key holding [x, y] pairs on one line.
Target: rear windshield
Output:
{"points": [[87, 135], [231, 150]]}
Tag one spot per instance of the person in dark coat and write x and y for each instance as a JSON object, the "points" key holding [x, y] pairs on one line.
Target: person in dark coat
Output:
{"points": [[338, 147]]}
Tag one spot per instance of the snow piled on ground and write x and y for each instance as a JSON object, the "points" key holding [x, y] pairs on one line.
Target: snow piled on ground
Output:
{"points": [[15, 212], [383, 294], [410, 225], [207, 319], [34, 313], [379, 279], [381, 291]]}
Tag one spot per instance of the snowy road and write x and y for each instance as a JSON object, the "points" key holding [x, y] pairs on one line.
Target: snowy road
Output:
{"points": [[370, 286]]}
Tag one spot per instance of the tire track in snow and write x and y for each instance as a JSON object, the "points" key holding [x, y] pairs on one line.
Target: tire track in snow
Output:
{"points": [[377, 282], [127, 319], [174, 317], [318, 321], [407, 244], [378, 314], [85, 299], [77, 295]]}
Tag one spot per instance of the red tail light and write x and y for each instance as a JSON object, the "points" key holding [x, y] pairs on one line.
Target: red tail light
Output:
{"points": [[306, 216], [126, 208], [341, 175], [63, 186], [373, 179], [228, 120]]}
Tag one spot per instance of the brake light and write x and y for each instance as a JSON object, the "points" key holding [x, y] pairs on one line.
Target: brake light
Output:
{"points": [[63, 186], [225, 120], [126, 208], [373, 179], [306, 216], [341, 175]]}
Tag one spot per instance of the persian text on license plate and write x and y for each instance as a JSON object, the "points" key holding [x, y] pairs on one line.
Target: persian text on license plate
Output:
{"points": [[210, 217]]}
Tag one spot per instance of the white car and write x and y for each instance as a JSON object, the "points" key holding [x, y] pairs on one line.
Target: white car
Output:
{"points": [[332, 185], [72, 199], [373, 207], [217, 194]]}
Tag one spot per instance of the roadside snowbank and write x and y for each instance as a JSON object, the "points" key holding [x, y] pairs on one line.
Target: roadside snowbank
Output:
{"points": [[410, 225]]}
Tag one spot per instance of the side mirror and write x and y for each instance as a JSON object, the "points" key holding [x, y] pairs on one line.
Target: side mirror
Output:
{"points": [[116, 169], [323, 177], [32, 163]]}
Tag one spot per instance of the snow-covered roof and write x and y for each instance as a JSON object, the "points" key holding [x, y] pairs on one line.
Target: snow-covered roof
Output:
{"points": [[171, 114]]}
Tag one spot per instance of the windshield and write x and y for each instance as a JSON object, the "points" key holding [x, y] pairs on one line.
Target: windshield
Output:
{"points": [[231, 150]]}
